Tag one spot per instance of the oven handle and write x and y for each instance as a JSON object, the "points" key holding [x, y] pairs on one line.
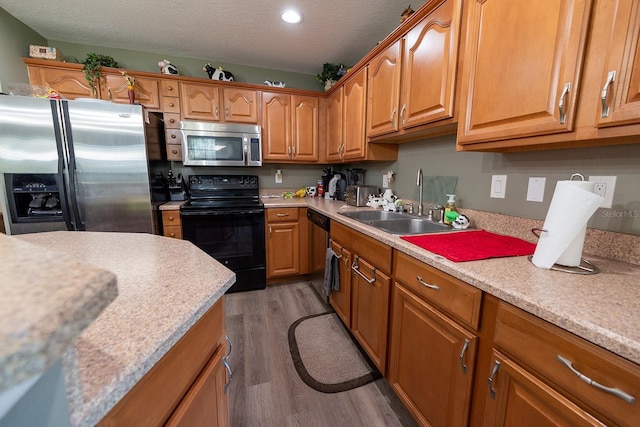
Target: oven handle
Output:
{"points": [[222, 212]]}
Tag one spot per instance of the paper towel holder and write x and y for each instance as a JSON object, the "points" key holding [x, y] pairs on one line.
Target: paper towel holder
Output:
{"points": [[585, 266]]}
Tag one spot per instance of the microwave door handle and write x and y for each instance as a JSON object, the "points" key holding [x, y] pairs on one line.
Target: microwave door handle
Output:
{"points": [[245, 153]]}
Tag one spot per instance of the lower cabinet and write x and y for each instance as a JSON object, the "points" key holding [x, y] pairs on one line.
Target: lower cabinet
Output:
{"points": [[287, 242], [171, 224], [431, 356], [340, 300], [188, 384]]}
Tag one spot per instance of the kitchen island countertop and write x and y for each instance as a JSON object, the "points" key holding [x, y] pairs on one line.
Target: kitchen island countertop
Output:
{"points": [[164, 286], [601, 308]]}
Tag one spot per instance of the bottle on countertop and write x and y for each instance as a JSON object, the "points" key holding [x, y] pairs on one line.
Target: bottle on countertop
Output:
{"points": [[450, 211]]}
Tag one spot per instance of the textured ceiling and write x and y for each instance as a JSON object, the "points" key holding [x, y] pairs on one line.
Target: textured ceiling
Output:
{"points": [[243, 32]]}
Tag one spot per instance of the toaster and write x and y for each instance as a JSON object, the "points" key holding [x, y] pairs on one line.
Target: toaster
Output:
{"points": [[358, 195]]}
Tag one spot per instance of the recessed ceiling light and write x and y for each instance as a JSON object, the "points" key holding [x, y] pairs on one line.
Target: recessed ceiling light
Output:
{"points": [[291, 16]]}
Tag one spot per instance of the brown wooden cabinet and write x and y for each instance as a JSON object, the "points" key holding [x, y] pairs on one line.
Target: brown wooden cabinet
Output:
{"points": [[287, 242], [146, 90], [581, 73], [413, 81], [187, 384], [204, 101], [354, 109], [171, 224], [432, 353], [290, 127], [340, 300], [66, 79], [522, 69], [335, 137], [370, 283], [240, 105]]}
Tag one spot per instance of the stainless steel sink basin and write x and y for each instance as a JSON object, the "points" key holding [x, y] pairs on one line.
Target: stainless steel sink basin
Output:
{"points": [[398, 223], [365, 216], [410, 226]]}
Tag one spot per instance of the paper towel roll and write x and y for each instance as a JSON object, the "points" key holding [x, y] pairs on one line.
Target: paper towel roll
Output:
{"points": [[565, 226]]}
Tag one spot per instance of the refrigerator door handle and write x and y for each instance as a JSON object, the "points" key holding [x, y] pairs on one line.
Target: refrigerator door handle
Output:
{"points": [[64, 199], [73, 199]]}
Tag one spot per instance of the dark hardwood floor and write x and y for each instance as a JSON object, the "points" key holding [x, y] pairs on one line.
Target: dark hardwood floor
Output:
{"points": [[266, 389]]}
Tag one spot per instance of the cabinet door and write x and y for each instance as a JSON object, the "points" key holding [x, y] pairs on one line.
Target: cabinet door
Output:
{"points": [[370, 310], [276, 126], [199, 101], [522, 67], [334, 126], [341, 300], [240, 105], [429, 66], [518, 398], [206, 400], [354, 109], [620, 81], [283, 249], [147, 90], [305, 131], [69, 83], [383, 91], [431, 361]]}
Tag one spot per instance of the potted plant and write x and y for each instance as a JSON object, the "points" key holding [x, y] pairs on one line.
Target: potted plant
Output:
{"points": [[330, 74], [92, 68]]}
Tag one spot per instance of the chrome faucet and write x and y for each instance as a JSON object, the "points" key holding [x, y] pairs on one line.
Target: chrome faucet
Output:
{"points": [[419, 184]]}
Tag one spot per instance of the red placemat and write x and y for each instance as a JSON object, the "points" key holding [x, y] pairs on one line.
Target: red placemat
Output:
{"points": [[472, 245]]}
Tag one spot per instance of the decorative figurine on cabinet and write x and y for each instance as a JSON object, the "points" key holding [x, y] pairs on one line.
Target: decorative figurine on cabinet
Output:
{"points": [[217, 73], [167, 67], [274, 84], [406, 14]]}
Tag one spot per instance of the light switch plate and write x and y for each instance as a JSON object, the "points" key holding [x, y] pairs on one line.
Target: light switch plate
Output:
{"points": [[535, 190], [498, 186], [605, 186], [385, 180]]}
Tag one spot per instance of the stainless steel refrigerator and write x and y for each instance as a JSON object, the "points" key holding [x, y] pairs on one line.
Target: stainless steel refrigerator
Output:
{"points": [[74, 165]]}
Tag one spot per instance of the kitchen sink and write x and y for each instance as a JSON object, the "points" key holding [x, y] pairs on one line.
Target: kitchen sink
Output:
{"points": [[410, 226], [398, 223], [365, 216]]}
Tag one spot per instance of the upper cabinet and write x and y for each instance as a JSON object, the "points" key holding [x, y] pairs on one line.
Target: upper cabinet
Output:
{"points": [[147, 90], [290, 127], [354, 107], [66, 79], [202, 101], [412, 82], [335, 147], [566, 75], [522, 68]]}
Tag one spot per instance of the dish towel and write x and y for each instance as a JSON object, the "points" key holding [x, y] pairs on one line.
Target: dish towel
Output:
{"points": [[472, 245], [331, 273]]}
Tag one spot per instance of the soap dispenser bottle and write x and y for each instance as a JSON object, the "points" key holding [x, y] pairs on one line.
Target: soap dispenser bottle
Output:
{"points": [[450, 211]]}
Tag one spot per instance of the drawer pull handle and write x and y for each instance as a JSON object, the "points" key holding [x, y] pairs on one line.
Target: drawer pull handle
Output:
{"points": [[563, 96], [282, 214], [226, 365], [465, 347], [494, 371], [611, 390], [230, 346], [340, 255], [356, 267], [428, 285], [605, 93]]}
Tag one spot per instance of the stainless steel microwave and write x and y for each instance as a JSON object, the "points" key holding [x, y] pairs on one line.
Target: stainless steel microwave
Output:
{"points": [[220, 144]]}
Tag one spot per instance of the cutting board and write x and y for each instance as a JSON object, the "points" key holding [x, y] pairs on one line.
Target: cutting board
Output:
{"points": [[472, 245]]}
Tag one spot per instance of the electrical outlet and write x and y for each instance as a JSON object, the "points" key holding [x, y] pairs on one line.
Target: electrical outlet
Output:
{"points": [[604, 187], [498, 186]]}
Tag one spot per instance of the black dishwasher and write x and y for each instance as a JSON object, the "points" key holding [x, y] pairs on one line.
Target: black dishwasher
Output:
{"points": [[319, 242]]}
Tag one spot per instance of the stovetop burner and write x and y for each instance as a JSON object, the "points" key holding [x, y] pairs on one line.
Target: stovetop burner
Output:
{"points": [[223, 191]]}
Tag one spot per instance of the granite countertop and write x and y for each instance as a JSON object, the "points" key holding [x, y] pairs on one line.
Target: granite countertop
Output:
{"points": [[600, 308], [164, 286], [48, 299]]}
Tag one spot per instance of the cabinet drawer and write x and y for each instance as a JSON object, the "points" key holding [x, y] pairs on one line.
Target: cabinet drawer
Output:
{"points": [[282, 214], [152, 400], [171, 120], [174, 152], [174, 231], [169, 88], [375, 252], [170, 105], [540, 345], [457, 298], [173, 136], [171, 217]]}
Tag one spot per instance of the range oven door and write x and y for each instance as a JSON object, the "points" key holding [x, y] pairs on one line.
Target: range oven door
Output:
{"points": [[235, 238]]}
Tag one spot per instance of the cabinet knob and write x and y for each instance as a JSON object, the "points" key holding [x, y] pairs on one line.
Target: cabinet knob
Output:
{"points": [[174, 151], [171, 104], [172, 120], [173, 136], [172, 234], [171, 218], [169, 87]]}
